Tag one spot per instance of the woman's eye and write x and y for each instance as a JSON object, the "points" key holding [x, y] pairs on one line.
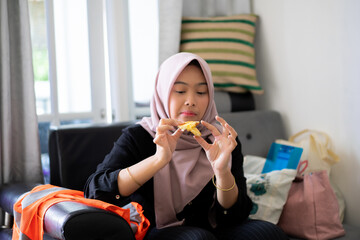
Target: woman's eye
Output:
{"points": [[201, 93], [180, 92]]}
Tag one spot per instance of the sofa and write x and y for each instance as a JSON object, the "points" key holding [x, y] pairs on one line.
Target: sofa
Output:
{"points": [[75, 151]]}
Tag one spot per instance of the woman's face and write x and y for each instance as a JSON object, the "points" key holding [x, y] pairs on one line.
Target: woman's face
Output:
{"points": [[189, 97]]}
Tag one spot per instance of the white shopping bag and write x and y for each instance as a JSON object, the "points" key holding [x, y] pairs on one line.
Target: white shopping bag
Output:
{"points": [[268, 191]]}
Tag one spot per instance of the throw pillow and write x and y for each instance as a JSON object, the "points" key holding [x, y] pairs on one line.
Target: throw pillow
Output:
{"points": [[227, 44]]}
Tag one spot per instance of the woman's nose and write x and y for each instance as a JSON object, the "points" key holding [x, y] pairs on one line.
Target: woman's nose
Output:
{"points": [[190, 101]]}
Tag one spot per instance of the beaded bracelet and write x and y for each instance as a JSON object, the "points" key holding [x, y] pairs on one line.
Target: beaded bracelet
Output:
{"points": [[127, 169], [223, 189]]}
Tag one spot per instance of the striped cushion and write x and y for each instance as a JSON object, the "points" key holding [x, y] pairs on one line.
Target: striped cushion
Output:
{"points": [[227, 44]]}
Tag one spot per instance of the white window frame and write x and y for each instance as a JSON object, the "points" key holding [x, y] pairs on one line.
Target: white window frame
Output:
{"points": [[117, 18], [100, 103], [111, 88]]}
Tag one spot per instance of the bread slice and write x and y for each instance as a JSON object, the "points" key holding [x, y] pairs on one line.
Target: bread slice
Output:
{"points": [[191, 127]]}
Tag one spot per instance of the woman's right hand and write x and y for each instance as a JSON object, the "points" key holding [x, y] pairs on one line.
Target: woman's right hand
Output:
{"points": [[133, 177], [165, 140]]}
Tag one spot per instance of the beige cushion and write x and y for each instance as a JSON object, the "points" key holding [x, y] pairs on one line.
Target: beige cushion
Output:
{"points": [[227, 44]]}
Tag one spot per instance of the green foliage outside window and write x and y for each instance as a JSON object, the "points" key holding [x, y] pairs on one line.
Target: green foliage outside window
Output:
{"points": [[41, 64]]}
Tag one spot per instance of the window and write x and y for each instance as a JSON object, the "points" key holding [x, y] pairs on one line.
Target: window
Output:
{"points": [[40, 56], [81, 59], [66, 86], [70, 42], [69, 65], [72, 56], [144, 32]]}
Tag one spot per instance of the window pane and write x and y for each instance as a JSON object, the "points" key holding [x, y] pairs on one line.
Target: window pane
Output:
{"points": [[40, 56], [72, 56], [143, 18]]}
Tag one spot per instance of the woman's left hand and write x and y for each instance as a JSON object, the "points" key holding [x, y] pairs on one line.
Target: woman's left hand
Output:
{"points": [[220, 150]]}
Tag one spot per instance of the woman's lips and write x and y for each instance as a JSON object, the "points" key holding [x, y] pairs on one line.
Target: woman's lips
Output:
{"points": [[188, 113]]}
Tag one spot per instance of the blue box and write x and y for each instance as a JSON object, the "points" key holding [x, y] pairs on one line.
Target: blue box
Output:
{"points": [[282, 156]]}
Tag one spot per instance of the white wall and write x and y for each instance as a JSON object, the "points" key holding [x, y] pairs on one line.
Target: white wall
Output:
{"points": [[308, 61]]}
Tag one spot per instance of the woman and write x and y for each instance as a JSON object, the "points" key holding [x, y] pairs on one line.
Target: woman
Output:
{"points": [[190, 187]]}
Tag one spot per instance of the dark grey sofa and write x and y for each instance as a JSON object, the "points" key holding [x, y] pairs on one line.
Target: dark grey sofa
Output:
{"points": [[75, 152]]}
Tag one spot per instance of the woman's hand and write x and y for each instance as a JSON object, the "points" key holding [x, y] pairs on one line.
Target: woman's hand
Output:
{"points": [[220, 150], [164, 140], [219, 155], [131, 178]]}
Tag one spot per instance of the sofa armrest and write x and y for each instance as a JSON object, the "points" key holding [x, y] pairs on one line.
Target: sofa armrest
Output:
{"points": [[10, 193], [71, 220]]}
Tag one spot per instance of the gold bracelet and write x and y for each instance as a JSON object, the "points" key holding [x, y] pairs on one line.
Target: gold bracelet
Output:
{"points": [[223, 189], [127, 169]]}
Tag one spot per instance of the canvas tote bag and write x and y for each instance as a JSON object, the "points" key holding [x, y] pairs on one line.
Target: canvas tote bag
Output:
{"points": [[317, 151]]}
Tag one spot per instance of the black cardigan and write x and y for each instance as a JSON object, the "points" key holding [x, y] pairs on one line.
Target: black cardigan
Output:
{"points": [[136, 144]]}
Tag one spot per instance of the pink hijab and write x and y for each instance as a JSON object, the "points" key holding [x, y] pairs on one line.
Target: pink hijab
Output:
{"points": [[179, 182]]}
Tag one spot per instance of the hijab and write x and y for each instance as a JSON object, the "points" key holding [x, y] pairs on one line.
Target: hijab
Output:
{"points": [[189, 170]]}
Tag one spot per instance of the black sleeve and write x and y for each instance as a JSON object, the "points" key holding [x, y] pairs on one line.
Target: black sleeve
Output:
{"points": [[134, 145], [241, 209]]}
